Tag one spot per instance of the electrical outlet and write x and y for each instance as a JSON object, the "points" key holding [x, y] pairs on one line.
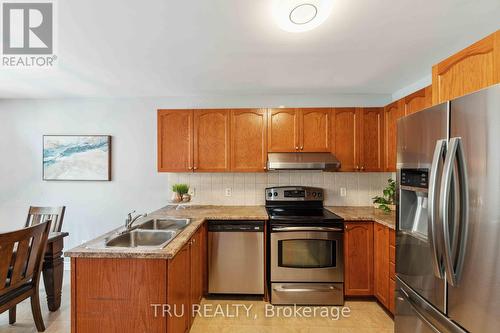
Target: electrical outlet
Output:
{"points": [[343, 191], [228, 192], [192, 191]]}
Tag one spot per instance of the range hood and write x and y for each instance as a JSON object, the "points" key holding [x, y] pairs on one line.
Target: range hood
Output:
{"points": [[302, 161]]}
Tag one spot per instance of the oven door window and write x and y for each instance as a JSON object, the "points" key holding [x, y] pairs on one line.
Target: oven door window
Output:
{"points": [[307, 253]]}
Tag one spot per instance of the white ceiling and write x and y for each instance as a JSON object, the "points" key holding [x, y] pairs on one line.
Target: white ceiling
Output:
{"points": [[233, 47]]}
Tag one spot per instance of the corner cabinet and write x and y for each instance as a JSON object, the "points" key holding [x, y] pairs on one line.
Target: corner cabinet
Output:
{"points": [[473, 68], [381, 263], [175, 140], [358, 254], [298, 130], [345, 140], [392, 113], [418, 101], [371, 139], [248, 140]]}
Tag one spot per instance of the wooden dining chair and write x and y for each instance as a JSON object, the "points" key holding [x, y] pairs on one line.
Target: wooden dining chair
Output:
{"points": [[21, 257], [38, 215]]}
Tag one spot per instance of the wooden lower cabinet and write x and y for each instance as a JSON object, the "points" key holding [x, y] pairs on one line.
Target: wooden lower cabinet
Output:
{"points": [[116, 295], [381, 263], [178, 294], [127, 295], [358, 259]]}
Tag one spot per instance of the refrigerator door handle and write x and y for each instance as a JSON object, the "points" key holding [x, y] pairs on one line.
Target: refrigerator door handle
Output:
{"points": [[415, 308], [454, 259], [433, 218]]}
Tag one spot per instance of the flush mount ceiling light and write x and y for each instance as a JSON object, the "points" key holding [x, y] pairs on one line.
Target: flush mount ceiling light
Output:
{"points": [[301, 15]]}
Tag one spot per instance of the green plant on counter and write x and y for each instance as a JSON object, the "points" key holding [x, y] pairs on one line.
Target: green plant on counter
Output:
{"points": [[388, 198], [180, 188]]}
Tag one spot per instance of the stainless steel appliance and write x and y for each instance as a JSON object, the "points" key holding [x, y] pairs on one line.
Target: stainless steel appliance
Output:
{"points": [[306, 248], [236, 257], [448, 231], [302, 161]]}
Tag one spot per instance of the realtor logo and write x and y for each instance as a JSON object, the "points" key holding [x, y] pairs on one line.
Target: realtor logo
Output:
{"points": [[28, 34], [27, 28]]}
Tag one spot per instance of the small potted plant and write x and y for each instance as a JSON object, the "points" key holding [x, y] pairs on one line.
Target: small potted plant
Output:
{"points": [[180, 193], [387, 201]]}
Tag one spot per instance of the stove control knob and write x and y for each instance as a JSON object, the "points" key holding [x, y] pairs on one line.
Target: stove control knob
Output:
{"points": [[275, 194], [269, 194], [314, 194]]}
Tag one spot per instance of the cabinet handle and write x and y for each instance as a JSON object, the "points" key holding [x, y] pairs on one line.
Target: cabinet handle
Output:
{"points": [[195, 168], [301, 147], [296, 147], [357, 167], [194, 240], [362, 168]]}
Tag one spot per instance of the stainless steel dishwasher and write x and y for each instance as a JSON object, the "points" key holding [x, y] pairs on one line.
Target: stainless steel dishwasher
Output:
{"points": [[236, 257]]}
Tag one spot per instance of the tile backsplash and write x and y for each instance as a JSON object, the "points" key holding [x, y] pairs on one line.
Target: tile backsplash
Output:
{"points": [[248, 188]]}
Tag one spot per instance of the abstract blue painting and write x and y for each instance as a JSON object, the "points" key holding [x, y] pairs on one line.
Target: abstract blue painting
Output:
{"points": [[74, 157]]}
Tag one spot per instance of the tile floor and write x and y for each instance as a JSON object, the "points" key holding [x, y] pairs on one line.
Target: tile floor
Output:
{"points": [[365, 317]]}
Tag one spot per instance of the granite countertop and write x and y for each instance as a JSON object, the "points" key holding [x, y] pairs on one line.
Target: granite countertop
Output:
{"points": [[365, 213], [199, 214]]}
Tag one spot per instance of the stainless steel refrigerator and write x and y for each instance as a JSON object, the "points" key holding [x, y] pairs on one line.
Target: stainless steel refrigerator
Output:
{"points": [[448, 229]]}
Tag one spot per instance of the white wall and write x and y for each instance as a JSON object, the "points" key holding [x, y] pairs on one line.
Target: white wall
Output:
{"points": [[96, 207]]}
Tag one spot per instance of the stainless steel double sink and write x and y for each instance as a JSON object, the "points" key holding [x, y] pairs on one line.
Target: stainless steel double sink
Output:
{"points": [[151, 234]]}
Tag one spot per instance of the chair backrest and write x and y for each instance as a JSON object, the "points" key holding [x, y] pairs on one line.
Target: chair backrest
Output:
{"points": [[38, 215], [21, 256]]}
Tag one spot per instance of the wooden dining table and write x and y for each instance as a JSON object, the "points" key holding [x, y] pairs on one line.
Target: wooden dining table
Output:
{"points": [[53, 269]]}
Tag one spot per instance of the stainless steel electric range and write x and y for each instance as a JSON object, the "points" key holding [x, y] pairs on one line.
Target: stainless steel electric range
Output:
{"points": [[305, 248]]}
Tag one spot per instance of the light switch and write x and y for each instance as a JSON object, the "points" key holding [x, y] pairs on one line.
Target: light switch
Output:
{"points": [[343, 191]]}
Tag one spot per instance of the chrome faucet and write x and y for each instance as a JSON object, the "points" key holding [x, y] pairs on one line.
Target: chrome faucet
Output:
{"points": [[130, 220]]}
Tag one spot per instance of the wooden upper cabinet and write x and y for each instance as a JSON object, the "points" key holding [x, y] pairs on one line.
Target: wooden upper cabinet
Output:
{"points": [[283, 130], [381, 263], [211, 140], [418, 101], [314, 130], [345, 137], [473, 68], [175, 140], [371, 139], [392, 113], [248, 140], [358, 254]]}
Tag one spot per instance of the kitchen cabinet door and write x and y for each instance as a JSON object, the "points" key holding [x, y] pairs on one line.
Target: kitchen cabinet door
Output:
{"points": [[392, 113], [345, 141], [178, 291], [283, 130], [196, 272], [358, 254], [248, 140], [211, 140], [381, 263], [314, 130], [473, 68], [371, 139], [175, 140], [418, 101]]}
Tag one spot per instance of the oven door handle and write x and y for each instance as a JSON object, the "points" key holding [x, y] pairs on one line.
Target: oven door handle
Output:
{"points": [[327, 289], [307, 229]]}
